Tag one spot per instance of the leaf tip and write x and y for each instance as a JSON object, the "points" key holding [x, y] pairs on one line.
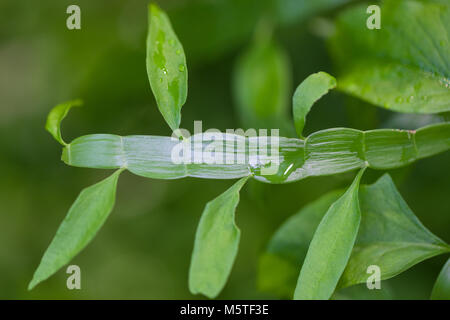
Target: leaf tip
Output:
{"points": [[55, 117]]}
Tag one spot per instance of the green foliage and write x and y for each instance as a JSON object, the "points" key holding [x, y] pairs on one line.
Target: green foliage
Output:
{"points": [[85, 217], [56, 116], [280, 264], [441, 289], [330, 247], [166, 67], [261, 85], [216, 243], [404, 66], [323, 238], [293, 11], [390, 236], [324, 152], [307, 93]]}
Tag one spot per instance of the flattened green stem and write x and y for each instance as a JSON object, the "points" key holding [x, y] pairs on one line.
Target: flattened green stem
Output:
{"points": [[325, 152]]}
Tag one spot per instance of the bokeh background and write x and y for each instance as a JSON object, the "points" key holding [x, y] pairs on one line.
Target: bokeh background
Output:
{"points": [[143, 251]]}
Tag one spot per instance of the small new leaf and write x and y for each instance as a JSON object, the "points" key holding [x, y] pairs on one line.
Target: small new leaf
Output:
{"points": [[216, 243], [56, 116], [307, 93], [84, 219], [330, 247], [166, 67]]}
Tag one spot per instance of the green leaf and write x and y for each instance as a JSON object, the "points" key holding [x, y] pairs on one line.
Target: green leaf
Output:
{"points": [[216, 243], [441, 289], [280, 263], [360, 292], [295, 11], [330, 247], [166, 67], [261, 85], [56, 115], [405, 65], [307, 93], [84, 219], [390, 236]]}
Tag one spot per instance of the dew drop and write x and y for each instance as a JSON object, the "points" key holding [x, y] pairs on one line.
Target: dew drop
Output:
{"points": [[181, 68], [399, 99]]}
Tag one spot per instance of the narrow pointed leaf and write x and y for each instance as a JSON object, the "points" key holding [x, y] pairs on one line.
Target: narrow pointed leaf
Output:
{"points": [[84, 219], [441, 289], [390, 236], [216, 243], [330, 247], [166, 67], [307, 93], [56, 116], [280, 264]]}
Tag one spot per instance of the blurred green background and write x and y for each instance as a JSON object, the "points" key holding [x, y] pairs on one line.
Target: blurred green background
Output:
{"points": [[143, 251]]}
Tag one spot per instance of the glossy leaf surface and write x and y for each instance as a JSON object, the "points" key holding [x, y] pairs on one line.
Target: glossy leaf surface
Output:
{"points": [[404, 65], [330, 247], [166, 67], [390, 237]]}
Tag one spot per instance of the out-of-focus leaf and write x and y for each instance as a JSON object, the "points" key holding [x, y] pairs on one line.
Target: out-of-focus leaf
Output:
{"points": [[330, 247], [387, 227], [307, 93], [361, 292], [390, 236], [405, 65], [261, 84], [441, 289], [294, 11], [56, 116], [166, 67], [216, 243], [210, 29], [84, 219], [280, 264]]}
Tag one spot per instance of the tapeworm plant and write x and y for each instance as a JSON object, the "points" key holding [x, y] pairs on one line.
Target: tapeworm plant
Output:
{"points": [[367, 225]]}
